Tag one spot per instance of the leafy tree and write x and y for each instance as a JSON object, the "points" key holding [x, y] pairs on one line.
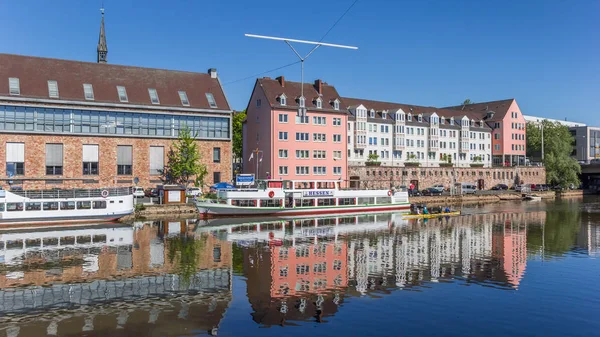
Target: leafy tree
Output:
{"points": [[467, 102], [561, 168], [411, 157], [186, 249], [183, 161], [373, 157], [236, 135]]}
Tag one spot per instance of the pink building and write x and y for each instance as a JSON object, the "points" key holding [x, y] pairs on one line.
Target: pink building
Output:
{"points": [[509, 129], [290, 135]]}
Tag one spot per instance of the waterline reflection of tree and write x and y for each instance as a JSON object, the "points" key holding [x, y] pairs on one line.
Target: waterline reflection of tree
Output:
{"points": [[184, 252], [558, 234]]}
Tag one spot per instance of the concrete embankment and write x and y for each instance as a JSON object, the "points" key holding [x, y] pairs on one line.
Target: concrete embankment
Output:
{"points": [[569, 194], [155, 212], [476, 199]]}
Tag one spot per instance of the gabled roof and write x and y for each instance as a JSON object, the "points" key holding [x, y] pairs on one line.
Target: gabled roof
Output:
{"points": [[480, 110], [35, 72], [273, 88]]}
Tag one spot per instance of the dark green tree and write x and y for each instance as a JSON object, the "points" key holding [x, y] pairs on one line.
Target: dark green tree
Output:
{"points": [[561, 168], [236, 135], [184, 162], [467, 102]]}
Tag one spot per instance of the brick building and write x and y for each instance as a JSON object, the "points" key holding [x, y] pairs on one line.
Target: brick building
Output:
{"points": [[71, 124]]}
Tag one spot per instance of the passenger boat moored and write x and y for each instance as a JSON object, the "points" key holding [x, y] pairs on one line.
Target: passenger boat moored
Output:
{"points": [[293, 197]]}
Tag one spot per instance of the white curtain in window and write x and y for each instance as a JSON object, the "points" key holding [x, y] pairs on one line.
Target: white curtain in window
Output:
{"points": [[124, 155], [157, 159], [15, 152], [90, 153], [54, 154]]}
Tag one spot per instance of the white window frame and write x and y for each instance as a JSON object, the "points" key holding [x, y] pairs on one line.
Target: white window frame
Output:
{"points": [[183, 97], [319, 103], [53, 89], [211, 100], [336, 104], [122, 93], [284, 152], [14, 86], [153, 94], [284, 134], [302, 102], [283, 100], [282, 118], [88, 91], [283, 170]]}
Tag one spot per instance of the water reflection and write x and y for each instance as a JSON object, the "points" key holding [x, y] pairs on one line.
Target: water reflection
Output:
{"points": [[149, 278]]}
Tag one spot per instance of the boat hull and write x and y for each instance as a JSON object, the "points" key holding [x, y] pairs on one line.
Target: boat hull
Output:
{"points": [[210, 210], [430, 216]]}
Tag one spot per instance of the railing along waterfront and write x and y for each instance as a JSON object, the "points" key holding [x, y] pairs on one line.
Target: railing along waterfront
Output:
{"points": [[75, 193]]}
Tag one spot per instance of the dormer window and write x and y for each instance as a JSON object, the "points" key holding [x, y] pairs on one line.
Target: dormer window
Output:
{"points": [[409, 117], [88, 92], [301, 102], [480, 123], [451, 120], [14, 86], [442, 120], [372, 113], [183, 98], [319, 103], [420, 117], [52, 89], [122, 94], [384, 115], [211, 100], [153, 96], [336, 104], [472, 122], [282, 100]]}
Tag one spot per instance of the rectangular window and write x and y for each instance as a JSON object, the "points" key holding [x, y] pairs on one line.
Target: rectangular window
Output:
{"points": [[153, 96], [283, 135], [99, 204], [88, 92], [122, 92], [319, 137], [14, 86], [50, 206], [54, 159], [319, 170], [338, 122], [337, 138], [52, 89], [337, 154], [15, 159], [216, 177], [258, 103], [211, 100], [283, 153], [66, 205], [337, 170], [124, 159], [157, 160], [302, 136], [90, 159], [301, 170], [319, 154], [84, 205], [283, 118], [216, 154], [184, 99], [283, 170], [302, 154]]}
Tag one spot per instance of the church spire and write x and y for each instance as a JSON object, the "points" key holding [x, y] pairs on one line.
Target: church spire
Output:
{"points": [[102, 49]]}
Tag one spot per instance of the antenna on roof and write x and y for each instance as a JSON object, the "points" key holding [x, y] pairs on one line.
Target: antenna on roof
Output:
{"points": [[302, 59]]}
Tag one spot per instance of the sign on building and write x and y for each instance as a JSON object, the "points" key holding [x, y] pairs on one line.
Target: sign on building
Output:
{"points": [[244, 179]]}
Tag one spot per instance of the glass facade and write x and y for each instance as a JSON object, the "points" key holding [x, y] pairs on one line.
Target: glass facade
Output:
{"points": [[594, 144], [76, 121]]}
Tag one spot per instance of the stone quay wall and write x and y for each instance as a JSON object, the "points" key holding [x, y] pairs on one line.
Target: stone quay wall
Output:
{"points": [[423, 177]]}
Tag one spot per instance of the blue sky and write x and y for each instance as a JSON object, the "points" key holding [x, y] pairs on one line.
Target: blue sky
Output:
{"points": [[543, 53]]}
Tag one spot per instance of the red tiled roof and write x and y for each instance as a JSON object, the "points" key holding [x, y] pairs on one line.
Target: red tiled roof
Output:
{"points": [[292, 91], [35, 72], [480, 110]]}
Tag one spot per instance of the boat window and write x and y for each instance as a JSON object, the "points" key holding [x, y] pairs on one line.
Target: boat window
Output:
{"points": [[84, 239], [275, 184], [99, 238], [33, 206], [384, 200], [244, 203], [29, 243], [84, 205], [270, 203], [2, 207], [14, 244], [366, 201], [326, 222], [67, 241], [50, 206], [346, 201], [50, 241], [14, 206], [305, 202], [326, 202], [99, 204], [67, 205]]}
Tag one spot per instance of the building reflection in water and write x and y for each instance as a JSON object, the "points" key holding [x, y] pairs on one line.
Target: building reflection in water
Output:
{"points": [[299, 270], [150, 278]]}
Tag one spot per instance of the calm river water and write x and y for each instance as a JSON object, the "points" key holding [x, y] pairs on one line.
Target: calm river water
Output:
{"points": [[505, 269]]}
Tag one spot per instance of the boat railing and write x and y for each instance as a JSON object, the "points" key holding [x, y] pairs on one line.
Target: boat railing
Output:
{"points": [[75, 193]]}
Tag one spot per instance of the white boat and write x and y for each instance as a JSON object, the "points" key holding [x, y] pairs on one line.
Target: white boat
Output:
{"points": [[60, 206], [301, 198], [531, 197]]}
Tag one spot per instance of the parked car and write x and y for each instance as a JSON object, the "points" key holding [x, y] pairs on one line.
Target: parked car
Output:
{"points": [[138, 192], [500, 187], [439, 188], [152, 193], [431, 191], [468, 188], [540, 187], [414, 193], [193, 192]]}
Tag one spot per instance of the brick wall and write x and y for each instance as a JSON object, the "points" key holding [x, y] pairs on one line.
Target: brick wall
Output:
{"points": [[383, 177], [35, 171]]}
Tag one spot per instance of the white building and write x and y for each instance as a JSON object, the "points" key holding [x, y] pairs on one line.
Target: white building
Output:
{"points": [[399, 133]]}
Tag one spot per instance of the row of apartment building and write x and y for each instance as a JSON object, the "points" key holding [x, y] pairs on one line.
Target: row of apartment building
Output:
{"points": [[297, 131]]}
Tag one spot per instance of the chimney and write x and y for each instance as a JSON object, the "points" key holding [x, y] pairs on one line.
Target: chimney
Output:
{"points": [[281, 80], [212, 72], [319, 86]]}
